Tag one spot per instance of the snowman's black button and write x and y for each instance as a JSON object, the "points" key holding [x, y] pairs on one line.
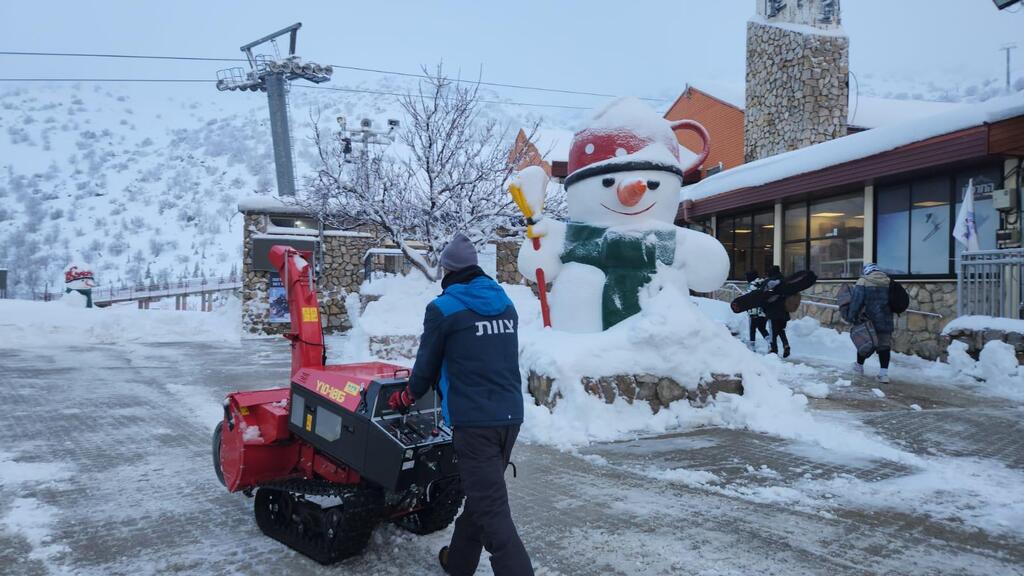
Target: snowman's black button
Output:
{"points": [[653, 184], [608, 182]]}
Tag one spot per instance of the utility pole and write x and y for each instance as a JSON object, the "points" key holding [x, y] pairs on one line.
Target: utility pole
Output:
{"points": [[1007, 48], [271, 76]]}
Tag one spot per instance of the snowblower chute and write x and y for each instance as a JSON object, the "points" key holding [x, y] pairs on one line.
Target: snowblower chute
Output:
{"points": [[326, 458]]}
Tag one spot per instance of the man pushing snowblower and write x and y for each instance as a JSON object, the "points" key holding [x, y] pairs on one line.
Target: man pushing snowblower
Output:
{"points": [[469, 352]]}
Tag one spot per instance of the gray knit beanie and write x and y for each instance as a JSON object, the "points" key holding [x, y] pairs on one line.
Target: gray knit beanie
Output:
{"points": [[459, 254]]}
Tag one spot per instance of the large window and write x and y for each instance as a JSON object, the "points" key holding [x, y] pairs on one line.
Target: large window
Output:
{"points": [[748, 239], [826, 236], [915, 220]]}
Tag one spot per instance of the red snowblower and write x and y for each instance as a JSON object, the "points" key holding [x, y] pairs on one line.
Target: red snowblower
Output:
{"points": [[326, 458]]}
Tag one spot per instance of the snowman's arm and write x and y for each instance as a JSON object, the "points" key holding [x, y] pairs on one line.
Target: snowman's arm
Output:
{"points": [[549, 257], [703, 258]]}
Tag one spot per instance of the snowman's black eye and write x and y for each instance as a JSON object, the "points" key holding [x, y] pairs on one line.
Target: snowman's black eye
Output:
{"points": [[653, 184], [608, 182]]}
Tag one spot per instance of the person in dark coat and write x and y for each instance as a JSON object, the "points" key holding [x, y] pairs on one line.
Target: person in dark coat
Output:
{"points": [[469, 352], [758, 321], [870, 301], [775, 310]]}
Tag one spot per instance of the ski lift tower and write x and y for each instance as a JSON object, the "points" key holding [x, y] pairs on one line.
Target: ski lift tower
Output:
{"points": [[269, 75]]}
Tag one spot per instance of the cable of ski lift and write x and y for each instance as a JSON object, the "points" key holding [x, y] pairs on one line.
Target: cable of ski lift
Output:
{"points": [[339, 66]]}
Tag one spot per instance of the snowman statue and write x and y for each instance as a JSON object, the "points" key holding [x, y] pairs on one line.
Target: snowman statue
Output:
{"points": [[78, 285], [622, 197]]}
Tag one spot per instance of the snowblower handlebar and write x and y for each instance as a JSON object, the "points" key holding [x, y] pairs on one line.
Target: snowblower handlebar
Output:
{"points": [[306, 333]]}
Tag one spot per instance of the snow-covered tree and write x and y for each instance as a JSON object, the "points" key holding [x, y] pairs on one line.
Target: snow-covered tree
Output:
{"points": [[446, 172]]}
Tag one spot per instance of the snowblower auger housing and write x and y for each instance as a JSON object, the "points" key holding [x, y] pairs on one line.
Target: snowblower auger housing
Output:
{"points": [[327, 458]]}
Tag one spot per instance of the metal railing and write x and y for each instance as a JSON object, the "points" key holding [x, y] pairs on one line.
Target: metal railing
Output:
{"points": [[105, 295], [730, 290], [989, 283]]}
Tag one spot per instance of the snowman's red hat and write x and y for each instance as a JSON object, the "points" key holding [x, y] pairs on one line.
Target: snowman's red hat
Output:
{"points": [[628, 135], [73, 273]]}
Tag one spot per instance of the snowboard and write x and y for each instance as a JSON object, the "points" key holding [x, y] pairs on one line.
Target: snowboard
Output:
{"points": [[792, 284]]}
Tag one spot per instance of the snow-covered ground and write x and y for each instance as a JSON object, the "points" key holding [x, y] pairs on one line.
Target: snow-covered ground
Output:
{"points": [[104, 468]]}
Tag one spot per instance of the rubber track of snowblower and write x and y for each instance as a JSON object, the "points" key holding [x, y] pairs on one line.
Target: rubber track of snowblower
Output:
{"points": [[327, 535]]}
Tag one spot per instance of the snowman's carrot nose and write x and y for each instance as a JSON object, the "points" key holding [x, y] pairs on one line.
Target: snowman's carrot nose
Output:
{"points": [[630, 194]]}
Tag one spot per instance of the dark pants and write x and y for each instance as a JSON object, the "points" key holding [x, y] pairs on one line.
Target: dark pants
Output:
{"points": [[486, 521], [779, 331], [757, 324]]}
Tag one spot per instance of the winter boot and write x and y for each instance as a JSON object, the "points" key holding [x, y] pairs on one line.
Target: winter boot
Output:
{"points": [[883, 375], [858, 369], [442, 557], [785, 352]]}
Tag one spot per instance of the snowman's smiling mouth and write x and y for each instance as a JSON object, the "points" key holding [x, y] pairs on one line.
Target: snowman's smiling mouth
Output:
{"points": [[629, 213]]}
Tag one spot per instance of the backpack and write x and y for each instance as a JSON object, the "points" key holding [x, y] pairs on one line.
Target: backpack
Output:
{"points": [[899, 300], [843, 298]]}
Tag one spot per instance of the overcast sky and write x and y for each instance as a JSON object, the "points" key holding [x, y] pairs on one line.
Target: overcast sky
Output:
{"points": [[640, 47]]}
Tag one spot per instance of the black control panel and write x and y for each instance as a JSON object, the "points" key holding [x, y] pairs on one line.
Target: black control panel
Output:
{"points": [[389, 448]]}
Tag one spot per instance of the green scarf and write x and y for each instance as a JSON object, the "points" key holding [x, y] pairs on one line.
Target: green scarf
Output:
{"points": [[628, 259]]}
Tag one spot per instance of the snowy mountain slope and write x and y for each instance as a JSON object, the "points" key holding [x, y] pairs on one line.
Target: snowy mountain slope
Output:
{"points": [[142, 182]]}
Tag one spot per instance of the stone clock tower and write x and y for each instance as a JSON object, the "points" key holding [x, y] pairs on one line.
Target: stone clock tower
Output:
{"points": [[797, 76]]}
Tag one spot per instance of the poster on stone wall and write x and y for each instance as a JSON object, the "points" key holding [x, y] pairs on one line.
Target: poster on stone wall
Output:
{"points": [[278, 300]]}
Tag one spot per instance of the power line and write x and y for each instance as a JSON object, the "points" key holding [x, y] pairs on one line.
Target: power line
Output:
{"points": [[406, 94], [334, 88], [340, 66]]}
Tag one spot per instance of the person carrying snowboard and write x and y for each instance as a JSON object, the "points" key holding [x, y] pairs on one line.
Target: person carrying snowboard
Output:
{"points": [[469, 351], [870, 302], [778, 316], [758, 321]]}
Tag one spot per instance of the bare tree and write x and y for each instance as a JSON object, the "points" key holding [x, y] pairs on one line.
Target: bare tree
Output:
{"points": [[446, 173]]}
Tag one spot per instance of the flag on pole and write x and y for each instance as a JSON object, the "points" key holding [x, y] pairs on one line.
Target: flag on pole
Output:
{"points": [[966, 231]]}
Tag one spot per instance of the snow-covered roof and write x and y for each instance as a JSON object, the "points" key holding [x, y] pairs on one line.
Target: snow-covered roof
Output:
{"points": [[855, 147], [553, 143], [863, 111], [269, 204], [872, 112], [831, 30]]}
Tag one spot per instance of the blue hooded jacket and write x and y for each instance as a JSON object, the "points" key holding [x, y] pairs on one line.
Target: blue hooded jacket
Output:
{"points": [[469, 350]]}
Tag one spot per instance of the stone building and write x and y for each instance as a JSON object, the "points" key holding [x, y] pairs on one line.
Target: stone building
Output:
{"points": [[268, 222], [797, 90]]}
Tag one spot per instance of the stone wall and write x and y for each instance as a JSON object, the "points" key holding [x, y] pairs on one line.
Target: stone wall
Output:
{"points": [[918, 330], [797, 89], [342, 274], [507, 253]]}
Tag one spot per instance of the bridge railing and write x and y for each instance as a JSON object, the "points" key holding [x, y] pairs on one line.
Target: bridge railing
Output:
{"points": [[110, 294]]}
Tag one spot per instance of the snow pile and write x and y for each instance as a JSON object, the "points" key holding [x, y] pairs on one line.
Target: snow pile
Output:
{"points": [[672, 336], [996, 365], [29, 323], [401, 302], [854, 147]]}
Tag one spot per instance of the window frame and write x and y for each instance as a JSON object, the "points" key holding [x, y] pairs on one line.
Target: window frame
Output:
{"points": [[807, 238], [748, 246], [950, 176]]}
